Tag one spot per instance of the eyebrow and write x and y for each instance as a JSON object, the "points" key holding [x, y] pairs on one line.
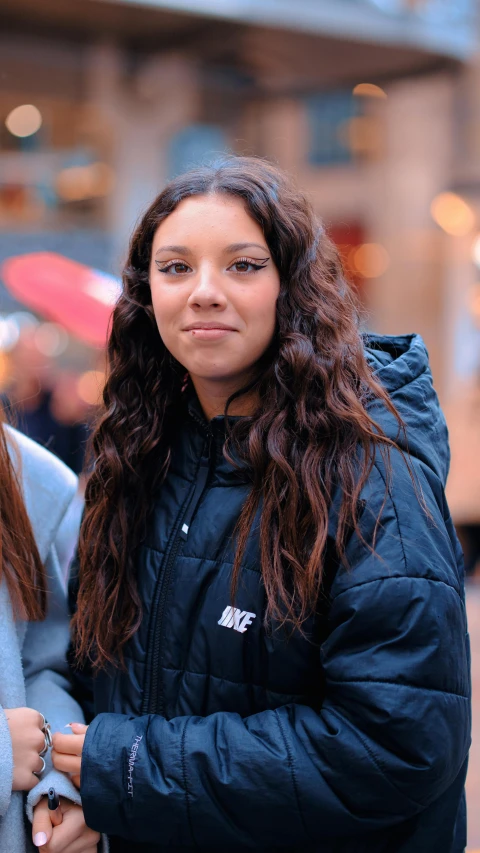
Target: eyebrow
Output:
{"points": [[179, 250], [234, 247], [239, 247]]}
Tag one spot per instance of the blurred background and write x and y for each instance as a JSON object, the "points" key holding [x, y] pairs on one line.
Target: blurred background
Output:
{"points": [[373, 105]]}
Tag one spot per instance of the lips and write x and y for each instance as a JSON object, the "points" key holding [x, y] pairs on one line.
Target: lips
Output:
{"points": [[210, 333], [194, 327]]}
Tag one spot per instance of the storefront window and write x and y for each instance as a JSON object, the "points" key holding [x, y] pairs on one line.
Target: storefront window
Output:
{"points": [[330, 115]]}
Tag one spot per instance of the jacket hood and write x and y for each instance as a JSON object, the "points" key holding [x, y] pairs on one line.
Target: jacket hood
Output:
{"points": [[401, 365]]}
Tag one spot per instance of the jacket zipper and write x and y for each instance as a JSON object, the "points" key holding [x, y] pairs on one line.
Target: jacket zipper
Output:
{"points": [[154, 699]]}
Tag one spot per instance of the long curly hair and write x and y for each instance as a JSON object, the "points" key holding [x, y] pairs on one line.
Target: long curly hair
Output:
{"points": [[311, 433], [20, 565]]}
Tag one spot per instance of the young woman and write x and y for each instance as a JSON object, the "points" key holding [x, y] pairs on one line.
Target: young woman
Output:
{"points": [[36, 490], [270, 586]]}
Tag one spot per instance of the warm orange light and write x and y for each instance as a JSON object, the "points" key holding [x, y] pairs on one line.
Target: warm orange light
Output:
{"points": [[5, 371], [77, 183], [369, 90], [370, 260], [474, 302], [452, 214], [362, 135], [90, 386], [476, 251], [24, 120]]}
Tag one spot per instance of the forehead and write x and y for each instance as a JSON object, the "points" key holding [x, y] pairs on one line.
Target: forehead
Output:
{"points": [[199, 218]]}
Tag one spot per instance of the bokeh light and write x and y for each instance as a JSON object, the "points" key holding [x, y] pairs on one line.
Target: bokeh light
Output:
{"points": [[24, 319], [90, 386], [9, 333], [369, 90], [5, 370], [370, 260], [452, 214], [476, 251], [362, 135], [77, 183], [51, 339], [24, 120], [474, 303]]}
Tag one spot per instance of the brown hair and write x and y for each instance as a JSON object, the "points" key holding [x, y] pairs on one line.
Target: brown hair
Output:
{"points": [[20, 563], [311, 433]]}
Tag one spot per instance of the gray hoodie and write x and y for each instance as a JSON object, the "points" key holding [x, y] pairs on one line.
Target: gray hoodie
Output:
{"points": [[34, 670]]}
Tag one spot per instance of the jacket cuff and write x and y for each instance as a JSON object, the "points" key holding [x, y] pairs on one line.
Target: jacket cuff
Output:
{"points": [[132, 779], [6, 764]]}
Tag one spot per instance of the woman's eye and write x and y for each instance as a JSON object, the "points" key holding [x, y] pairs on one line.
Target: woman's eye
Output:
{"points": [[245, 266], [173, 268]]}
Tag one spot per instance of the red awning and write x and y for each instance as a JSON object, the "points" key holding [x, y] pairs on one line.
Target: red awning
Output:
{"points": [[79, 298]]}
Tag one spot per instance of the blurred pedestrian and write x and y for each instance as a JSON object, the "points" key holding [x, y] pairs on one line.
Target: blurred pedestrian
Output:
{"points": [[44, 403], [35, 695], [270, 588]]}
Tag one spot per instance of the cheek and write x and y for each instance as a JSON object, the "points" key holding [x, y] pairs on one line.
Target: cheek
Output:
{"points": [[262, 308], [165, 308]]}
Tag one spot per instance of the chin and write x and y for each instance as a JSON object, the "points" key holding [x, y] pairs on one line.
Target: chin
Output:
{"points": [[212, 376], [217, 374]]}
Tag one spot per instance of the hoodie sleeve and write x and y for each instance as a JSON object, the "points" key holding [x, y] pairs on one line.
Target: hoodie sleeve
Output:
{"points": [[392, 735]]}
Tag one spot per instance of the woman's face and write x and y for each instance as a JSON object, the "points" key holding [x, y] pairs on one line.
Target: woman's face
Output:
{"points": [[214, 288]]}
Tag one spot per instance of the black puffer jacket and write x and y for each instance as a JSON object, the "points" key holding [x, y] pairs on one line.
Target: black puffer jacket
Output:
{"points": [[223, 736]]}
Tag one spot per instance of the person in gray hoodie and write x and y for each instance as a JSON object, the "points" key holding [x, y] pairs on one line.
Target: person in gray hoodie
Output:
{"points": [[34, 672]]}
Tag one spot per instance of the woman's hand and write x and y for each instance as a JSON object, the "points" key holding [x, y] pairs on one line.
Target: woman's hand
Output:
{"points": [[71, 836], [28, 741], [67, 751]]}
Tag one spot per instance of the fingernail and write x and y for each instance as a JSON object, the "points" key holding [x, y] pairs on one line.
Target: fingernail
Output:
{"points": [[68, 726], [40, 839]]}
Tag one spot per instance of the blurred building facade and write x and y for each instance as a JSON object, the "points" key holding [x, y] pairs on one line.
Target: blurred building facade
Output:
{"points": [[373, 105]]}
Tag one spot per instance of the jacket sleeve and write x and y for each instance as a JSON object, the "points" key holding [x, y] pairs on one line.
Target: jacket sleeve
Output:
{"points": [[47, 683], [391, 737], [6, 764]]}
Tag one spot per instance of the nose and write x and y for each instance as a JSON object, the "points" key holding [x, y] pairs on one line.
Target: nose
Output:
{"points": [[207, 291]]}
